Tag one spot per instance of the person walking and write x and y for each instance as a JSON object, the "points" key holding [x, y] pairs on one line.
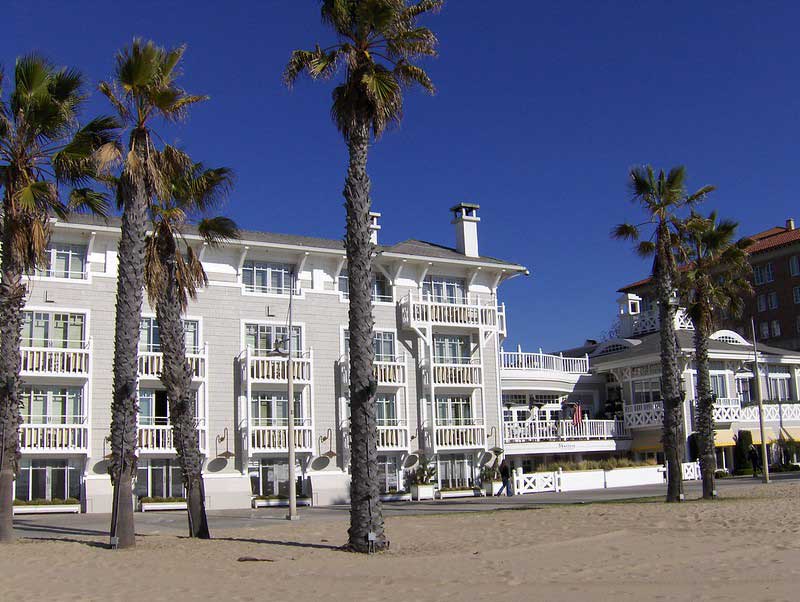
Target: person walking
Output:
{"points": [[755, 460], [505, 475]]}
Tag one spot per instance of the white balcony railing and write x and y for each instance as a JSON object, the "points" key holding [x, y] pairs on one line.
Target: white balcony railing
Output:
{"points": [[644, 415], [564, 430], [457, 374], [788, 411], [389, 372], [52, 361], [272, 436], [518, 360], [391, 436], [456, 436], [274, 369], [157, 438], [151, 363], [416, 312], [648, 321], [62, 438]]}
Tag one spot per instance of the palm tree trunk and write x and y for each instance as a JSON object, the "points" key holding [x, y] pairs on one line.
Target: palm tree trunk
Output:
{"points": [[672, 436], [130, 285], [366, 513], [705, 403], [177, 378], [12, 300]]}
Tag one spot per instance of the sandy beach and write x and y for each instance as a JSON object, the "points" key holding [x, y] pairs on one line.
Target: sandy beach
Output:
{"points": [[743, 547]]}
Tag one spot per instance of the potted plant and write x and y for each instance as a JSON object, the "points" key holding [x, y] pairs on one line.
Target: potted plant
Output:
{"points": [[490, 479], [421, 479]]}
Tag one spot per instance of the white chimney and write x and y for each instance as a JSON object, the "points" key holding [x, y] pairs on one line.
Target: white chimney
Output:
{"points": [[374, 226], [790, 224], [465, 217]]}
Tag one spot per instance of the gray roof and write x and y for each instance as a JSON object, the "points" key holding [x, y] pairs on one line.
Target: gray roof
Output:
{"points": [[417, 248]]}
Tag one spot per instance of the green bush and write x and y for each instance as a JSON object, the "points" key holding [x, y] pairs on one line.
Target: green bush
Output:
{"points": [[721, 474], [741, 462], [42, 502], [161, 500], [607, 464], [784, 468]]}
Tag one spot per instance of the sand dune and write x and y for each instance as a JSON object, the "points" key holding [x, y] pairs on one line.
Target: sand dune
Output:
{"points": [[744, 548]]}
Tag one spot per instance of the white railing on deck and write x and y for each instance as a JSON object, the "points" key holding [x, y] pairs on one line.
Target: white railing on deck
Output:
{"points": [[387, 371], [460, 435], [519, 360], [457, 374], [269, 436], [773, 412], [472, 313], [274, 369], [38, 438], [158, 437], [54, 361], [151, 363], [644, 414], [563, 430], [649, 321]]}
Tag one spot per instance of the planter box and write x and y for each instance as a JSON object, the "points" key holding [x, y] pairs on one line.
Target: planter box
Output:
{"points": [[159, 506], [48, 509], [629, 477], [443, 495], [395, 497], [581, 480], [491, 488], [278, 503], [422, 492]]}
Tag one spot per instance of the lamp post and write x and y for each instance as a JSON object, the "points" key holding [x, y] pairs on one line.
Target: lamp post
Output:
{"points": [[759, 399]]}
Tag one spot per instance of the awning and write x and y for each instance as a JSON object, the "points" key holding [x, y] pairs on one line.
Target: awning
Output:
{"points": [[792, 432], [646, 441], [724, 438], [769, 433]]}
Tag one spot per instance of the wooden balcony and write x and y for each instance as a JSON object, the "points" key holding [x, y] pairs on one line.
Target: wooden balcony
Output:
{"points": [[391, 437], [516, 363], [563, 430], [470, 435], [457, 375], [422, 313], [644, 415], [151, 364], [273, 436], [389, 372], [54, 438], [274, 369], [58, 362], [157, 438]]}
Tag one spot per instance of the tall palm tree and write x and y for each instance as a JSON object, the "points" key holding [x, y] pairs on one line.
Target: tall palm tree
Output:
{"points": [[715, 280], [172, 277], [144, 89], [376, 43], [662, 197], [41, 148]]}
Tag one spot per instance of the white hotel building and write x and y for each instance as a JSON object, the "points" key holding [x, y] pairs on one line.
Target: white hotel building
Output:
{"points": [[446, 388]]}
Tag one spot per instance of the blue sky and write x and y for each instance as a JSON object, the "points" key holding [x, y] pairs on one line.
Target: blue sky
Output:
{"points": [[541, 110]]}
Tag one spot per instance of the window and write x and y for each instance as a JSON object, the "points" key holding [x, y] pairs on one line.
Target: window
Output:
{"points": [[762, 302], [59, 330], [647, 391], [383, 342], [386, 409], [776, 328], [150, 339], [453, 410], [153, 407], [441, 289], [772, 299], [764, 327], [264, 338], [52, 405], [451, 349], [719, 386], [794, 265], [455, 471], [263, 277], [381, 289], [270, 478], [744, 387], [778, 387], [159, 478], [796, 292], [48, 480], [271, 408], [763, 273], [389, 475], [65, 261]]}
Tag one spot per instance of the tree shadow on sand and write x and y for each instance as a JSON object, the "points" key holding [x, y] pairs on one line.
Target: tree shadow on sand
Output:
{"points": [[274, 542]]}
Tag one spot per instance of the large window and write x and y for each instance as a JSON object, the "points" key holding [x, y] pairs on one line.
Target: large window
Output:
{"points": [[270, 478], [389, 474], [761, 300], [266, 338], [763, 273], [794, 265], [271, 408], [383, 343], [772, 300], [48, 480], [776, 328], [153, 407], [386, 409], [381, 289], [647, 391], [48, 404], [150, 339], [455, 471], [719, 386], [764, 328], [263, 277], [744, 388], [453, 410], [60, 330], [796, 293], [451, 349], [779, 383], [65, 261], [159, 478], [441, 289]]}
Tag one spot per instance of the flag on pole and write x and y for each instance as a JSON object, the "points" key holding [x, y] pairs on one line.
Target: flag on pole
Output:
{"points": [[577, 415]]}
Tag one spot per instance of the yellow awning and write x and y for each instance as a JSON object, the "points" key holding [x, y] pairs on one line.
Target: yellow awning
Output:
{"points": [[769, 433], [724, 438], [646, 441], [792, 432]]}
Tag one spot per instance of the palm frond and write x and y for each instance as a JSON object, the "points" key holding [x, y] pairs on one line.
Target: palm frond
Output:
{"points": [[216, 230], [86, 200], [625, 232]]}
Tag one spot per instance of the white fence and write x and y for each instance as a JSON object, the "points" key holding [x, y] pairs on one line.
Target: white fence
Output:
{"points": [[519, 360]]}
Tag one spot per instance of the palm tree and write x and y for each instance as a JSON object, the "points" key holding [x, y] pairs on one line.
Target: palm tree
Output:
{"points": [[715, 280], [144, 89], [172, 278], [41, 147], [662, 197], [376, 42]]}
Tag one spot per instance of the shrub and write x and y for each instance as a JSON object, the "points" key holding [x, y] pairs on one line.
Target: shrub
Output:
{"points": [[721, 474], [423, 474], [42, 502], [606, 464], [741, 462], [161, 500]]}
